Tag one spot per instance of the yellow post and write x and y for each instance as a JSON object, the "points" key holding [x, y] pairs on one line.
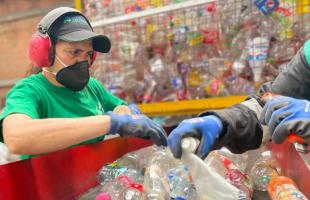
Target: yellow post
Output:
{"points": [[78, 4], [303, 6]]}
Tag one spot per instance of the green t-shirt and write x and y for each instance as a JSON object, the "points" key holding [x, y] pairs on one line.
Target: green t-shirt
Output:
{"points": [[36, 97]]}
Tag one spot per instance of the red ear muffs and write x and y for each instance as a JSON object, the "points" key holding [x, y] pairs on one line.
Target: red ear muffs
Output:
{"points": [[94, 57], [40, 50]]}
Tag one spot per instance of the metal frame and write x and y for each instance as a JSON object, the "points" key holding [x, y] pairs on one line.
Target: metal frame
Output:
{"points": [[149, 12]]}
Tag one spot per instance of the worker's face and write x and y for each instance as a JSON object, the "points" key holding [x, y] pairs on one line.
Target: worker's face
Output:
{"points": [[72, 52]]}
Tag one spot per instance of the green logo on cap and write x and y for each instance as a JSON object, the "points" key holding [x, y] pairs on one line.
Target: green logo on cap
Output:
{"points": [[75, 19]]}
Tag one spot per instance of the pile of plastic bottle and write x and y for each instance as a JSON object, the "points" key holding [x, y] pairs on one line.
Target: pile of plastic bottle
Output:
{"points": [[153, 173], [226, 47], [99, 9]]}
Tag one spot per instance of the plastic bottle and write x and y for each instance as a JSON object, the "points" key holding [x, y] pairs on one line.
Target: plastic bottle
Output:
{"points": [[284, 188], [155, 178], [257, 55], [134, 192], [155, 186], [134, 175], [263, 170], [116, 187], [239, 179], [138, 159], [231, 172], [180, 183], [91, 193], [110, 171]]}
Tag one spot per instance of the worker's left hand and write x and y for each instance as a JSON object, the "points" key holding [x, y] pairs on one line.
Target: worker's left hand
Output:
{"points": [[285, 115]]}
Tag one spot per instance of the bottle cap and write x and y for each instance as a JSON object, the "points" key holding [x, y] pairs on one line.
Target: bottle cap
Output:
{"points": [[190, 144], [103, 196]]}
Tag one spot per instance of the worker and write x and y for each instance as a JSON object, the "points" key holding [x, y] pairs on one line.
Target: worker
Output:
{"points": [[241, 126], [61, 106]]}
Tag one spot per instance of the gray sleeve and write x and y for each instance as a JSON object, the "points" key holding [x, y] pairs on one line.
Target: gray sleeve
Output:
{"points": [[242, 130], [294, 80]]}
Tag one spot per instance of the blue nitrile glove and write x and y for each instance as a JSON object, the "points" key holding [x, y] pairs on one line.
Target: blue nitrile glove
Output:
{"points": [[134, 109], [285, 115], [137, 126], [207, 129]]}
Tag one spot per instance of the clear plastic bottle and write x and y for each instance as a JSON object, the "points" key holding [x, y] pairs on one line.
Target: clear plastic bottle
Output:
{"points": [[263, 170], [134, 192], [155, 186], [91, 193], [284, 188], [116, 187], [257, 56], [155, 178], [134, 175], [138, 159], [110, 171], [180, 183], [232, 173]]}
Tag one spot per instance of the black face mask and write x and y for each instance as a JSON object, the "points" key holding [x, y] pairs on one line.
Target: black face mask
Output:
{"points": [[74, 77]]}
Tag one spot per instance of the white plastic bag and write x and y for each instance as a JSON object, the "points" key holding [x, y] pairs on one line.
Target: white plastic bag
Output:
{"points": [[209, 184]]}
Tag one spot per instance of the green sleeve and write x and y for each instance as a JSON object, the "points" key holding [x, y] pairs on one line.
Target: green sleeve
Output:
{"points": [[307, 51], [20, 99], [107, 99]]}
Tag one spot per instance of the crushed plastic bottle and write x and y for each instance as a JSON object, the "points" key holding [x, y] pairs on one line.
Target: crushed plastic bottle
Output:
{"points": [[231, 172], [116, 187], [138, 159], [263, 170], [109, 172], [155, 186], [134, 192], [92, 193], [181, 184], [155, 178]]}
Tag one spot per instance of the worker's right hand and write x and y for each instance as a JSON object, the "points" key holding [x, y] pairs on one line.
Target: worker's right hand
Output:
{"points": [[207, 129], [137, 126], [286, 115]]}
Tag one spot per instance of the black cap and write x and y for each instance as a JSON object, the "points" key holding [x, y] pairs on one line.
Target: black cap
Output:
{"points": [[75, 28]]}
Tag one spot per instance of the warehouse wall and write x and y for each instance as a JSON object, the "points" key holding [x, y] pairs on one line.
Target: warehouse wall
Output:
{"points": [[18, 20]]}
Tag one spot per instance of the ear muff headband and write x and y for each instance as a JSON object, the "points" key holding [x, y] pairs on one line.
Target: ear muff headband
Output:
{"points": [[40, 50]]}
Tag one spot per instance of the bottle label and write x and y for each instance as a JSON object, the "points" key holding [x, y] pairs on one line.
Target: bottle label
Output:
{"points": [[137, 187], [124, 179], [266, 6], [288, 192]]}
